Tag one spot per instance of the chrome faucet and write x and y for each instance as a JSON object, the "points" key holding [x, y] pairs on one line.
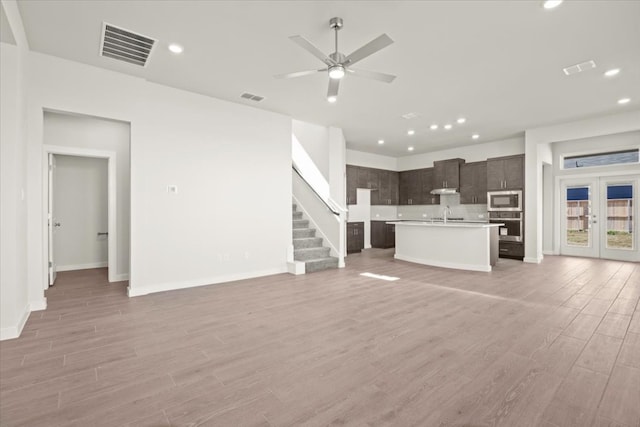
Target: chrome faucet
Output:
{"points": [[447, 210]]}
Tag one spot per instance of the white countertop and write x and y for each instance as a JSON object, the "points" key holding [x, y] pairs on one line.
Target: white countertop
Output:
{"points": [[456, 224]]}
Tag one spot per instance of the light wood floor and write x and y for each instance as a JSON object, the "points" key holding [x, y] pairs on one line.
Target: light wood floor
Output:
{"points": [[556, 344]]}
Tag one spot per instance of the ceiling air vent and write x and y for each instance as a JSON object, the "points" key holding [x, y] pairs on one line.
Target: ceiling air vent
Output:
{"points": [[252, 97], [125, 45], [578, 68]]}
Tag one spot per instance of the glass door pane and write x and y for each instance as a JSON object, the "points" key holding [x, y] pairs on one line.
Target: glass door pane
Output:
{"points": [[619, 217], [578, 217]]}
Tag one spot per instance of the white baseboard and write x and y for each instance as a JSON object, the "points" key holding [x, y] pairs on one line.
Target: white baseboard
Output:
{"points": [[550, 253], [172, 286], [120, 277], [38, 305], [11, 332], [73, 267], [296, 267], [532, 260]]}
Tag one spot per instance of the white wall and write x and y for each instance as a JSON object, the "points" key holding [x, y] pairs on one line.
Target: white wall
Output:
{"points": [[231, 217], [337, 169], [14, 298], [471, 153], [315, 140], [369, 160], [80, 206], [79, 131]]}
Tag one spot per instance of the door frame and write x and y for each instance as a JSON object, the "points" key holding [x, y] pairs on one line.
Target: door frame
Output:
{"points": [[112, 238], [602, 176]]}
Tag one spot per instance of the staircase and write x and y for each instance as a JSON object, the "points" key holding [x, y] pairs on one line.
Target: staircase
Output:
{"points": [[308, 248]]}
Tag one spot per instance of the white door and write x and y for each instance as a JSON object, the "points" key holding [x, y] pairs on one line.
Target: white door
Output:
{"points": [[51, 221], [579, 216], [619, 211], [599, 218]]}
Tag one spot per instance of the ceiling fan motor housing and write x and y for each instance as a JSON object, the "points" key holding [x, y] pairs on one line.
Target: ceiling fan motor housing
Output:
{"points": [[335, 23]]}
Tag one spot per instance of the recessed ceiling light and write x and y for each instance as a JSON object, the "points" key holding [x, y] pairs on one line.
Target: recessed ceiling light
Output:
{"points": [[612, 72], [551, 4], [332, 99], [447, 126], [433, 127], [624, 100], [461, 120], [475, 136], [411, 132], [176, 48], [410, 148], [381, 141]]}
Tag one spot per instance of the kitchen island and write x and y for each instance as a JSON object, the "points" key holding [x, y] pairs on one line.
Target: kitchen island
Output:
{"points": [[452, 244]]}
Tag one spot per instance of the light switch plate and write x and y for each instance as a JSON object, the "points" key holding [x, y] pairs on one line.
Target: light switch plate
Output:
{"points": [[172, 189]]}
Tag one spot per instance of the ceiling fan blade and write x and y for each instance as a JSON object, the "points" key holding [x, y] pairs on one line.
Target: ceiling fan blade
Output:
{"points": [[334, 85], [368, 49], [309, 47], [387, 78], [298, 74]]}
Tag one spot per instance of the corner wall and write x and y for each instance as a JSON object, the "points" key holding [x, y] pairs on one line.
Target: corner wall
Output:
{"points": [[231, 216], [15, 304], [67, 130]]}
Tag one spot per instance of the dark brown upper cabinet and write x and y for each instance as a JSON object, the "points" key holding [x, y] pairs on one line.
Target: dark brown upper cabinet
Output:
{"points": [[410, 187], [473, 183], [352, 185], [427, 182], [505, 173], [447, 173], [388, 188], [382, 183]]}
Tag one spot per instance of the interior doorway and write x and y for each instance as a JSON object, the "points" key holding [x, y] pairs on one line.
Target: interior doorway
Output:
{"points": [[78, 241], [599, 217], [78, 213]]}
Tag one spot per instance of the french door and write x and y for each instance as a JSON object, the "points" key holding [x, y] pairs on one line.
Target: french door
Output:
{"points": [[599, 217]]}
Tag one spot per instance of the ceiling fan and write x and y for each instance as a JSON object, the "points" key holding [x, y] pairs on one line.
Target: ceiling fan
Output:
{"points": [[338, 64]]}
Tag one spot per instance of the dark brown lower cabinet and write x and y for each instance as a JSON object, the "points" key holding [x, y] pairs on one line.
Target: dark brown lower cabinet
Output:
{"points": [[513, 250], [355, 237], [383, 235]]}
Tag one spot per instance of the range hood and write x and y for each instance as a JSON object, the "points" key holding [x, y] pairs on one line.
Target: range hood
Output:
{"points": [[444, 191]]}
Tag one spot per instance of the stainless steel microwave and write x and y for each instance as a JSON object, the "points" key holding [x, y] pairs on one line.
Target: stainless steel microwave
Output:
{"points": [[504, 200]]}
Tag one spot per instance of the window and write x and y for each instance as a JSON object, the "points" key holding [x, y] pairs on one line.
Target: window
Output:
{"points": [[601, 159]]}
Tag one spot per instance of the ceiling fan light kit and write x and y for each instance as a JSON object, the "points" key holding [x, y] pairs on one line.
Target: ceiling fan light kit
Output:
{"points": [[338, 65]]}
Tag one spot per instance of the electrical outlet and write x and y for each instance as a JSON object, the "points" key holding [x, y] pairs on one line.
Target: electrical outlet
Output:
{"points": [[172, 189]]}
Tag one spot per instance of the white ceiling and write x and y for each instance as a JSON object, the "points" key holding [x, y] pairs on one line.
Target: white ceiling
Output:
{"points": [[497, 63]]}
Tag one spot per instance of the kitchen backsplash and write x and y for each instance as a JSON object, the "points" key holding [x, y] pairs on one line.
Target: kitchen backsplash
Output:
{"points": [[437, 211], [379, 212]]}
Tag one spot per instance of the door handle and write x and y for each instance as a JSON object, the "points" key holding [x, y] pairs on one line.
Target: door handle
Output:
{"points": [[56, 224], [102, 234]]}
